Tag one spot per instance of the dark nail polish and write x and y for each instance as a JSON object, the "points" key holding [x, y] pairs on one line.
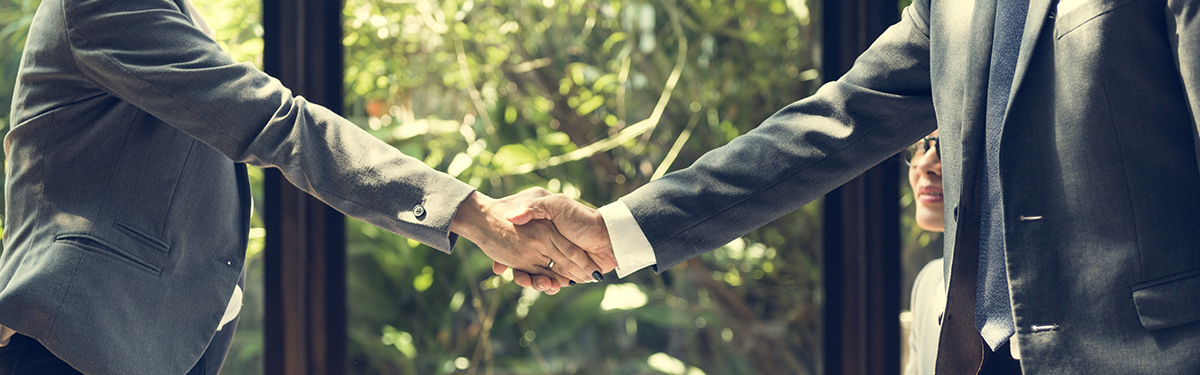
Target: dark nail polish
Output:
{"points": [[596, 275], [571, 282]]}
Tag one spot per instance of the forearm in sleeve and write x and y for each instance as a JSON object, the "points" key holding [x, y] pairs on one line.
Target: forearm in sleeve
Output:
{"points": [[805, 150], [149, 54]]}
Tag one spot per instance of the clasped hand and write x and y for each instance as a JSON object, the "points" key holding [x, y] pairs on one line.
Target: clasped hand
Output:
{"points": [[549, 240]]}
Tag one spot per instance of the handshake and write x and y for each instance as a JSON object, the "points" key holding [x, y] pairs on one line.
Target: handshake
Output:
{"points": [[549, 240]]}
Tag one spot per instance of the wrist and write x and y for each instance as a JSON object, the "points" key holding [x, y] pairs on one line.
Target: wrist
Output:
{"points": [[471, 218], [605, 239]]}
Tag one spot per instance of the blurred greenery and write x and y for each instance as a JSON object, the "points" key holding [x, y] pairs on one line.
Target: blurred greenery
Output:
{"points": [[588, 98], [591, 99]]}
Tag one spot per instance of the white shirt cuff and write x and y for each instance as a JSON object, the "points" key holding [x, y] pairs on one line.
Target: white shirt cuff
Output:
{"points": [[630, 246]]}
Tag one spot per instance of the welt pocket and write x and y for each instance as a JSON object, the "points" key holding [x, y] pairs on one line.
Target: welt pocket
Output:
{"points": [[142, 237], [95, 244], [1084, 12], [1168, 301]]}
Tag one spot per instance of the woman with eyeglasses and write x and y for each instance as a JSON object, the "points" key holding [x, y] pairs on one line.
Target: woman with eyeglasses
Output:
{"points": [[929, 291]]}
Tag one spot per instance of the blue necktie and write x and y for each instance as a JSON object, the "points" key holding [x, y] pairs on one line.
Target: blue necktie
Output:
{"points": [[993, 310]]}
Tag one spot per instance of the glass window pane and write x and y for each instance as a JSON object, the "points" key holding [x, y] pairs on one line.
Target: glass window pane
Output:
{"points": [[502, 94]]}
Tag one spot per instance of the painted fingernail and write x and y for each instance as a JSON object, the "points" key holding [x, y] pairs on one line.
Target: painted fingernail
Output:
{"points": [[596, 275], [571, 282]]}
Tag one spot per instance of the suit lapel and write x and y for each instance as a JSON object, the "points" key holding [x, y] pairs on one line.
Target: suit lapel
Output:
{"points": [[1035, 19], [972, 133], [960, 348], [975, 100]]}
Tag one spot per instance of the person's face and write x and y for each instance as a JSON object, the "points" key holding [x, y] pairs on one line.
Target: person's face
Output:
{"points": [[925, 176]]}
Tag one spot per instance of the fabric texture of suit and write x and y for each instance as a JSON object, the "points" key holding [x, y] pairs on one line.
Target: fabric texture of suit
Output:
{"points": [[1098, 166], [128, 202]]}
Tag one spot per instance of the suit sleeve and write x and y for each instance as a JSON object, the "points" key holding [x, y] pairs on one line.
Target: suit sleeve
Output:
{"points": [[148, 53], [1185, 15], [801, 152]]}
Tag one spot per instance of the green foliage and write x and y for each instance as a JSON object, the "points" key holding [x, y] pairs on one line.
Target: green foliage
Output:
{"points": [[237, 25], [591, 99]]}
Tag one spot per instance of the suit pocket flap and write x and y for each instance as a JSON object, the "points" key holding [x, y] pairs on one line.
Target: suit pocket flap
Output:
{"points": [[1073, 14], [100, 246], [1168, 301]]}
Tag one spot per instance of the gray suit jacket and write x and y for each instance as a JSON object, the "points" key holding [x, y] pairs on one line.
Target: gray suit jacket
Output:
{"points": [[1098, 143], [127, 201]]}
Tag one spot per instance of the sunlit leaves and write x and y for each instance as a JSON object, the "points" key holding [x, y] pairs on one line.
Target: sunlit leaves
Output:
{"points": [[623, 297], [424, 280], [590, 104], [424, 126], [236, 26], [485, 89], [461, 162], [670, 365], [612, 40], [514, 155], [402, 341]]}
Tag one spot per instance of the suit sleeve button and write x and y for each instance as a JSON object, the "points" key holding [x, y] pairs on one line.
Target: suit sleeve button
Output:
{"points": [[418, 211]]}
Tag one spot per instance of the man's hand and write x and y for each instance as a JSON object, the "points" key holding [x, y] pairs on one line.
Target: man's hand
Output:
{"points": [[535, 247], [580, 224]]}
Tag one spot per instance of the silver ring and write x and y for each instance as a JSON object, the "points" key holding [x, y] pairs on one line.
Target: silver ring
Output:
{"points": [[551, 265]]}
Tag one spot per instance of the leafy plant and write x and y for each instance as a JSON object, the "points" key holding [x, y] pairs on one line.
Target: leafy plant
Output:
{"points": [[591, 99]]}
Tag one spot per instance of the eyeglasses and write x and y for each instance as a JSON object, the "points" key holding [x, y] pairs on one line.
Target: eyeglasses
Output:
{"points": [[918, 150]]}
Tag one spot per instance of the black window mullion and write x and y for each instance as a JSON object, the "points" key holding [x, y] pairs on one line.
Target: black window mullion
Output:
{"points": [[304, 272], [862, 223]]}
